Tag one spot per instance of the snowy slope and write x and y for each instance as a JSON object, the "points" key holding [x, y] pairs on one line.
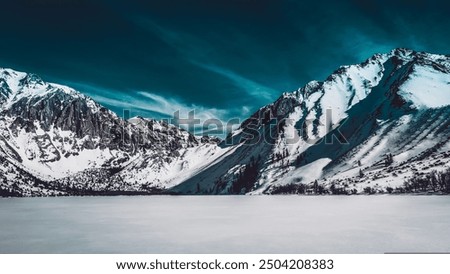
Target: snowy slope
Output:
{"points": [[333, 131]]}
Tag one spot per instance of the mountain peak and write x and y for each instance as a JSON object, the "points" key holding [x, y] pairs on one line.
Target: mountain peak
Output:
{"points": [[31, 80], [402, 52]]}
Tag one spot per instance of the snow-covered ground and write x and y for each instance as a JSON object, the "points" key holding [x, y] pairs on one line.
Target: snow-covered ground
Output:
{"points": [[227, 224]]}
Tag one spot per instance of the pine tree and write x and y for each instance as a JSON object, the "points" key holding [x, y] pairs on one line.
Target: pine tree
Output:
{"points": [[389, 159], [316, 187]]}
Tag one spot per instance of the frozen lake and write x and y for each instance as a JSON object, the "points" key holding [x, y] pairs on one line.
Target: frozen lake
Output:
{"points": [[225, 224]]}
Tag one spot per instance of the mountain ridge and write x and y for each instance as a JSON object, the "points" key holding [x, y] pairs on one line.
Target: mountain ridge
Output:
{"points": [[57, 141], [305, 120]]}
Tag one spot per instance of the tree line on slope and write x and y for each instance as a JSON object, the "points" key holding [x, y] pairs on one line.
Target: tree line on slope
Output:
{"points": [[432, 182]]}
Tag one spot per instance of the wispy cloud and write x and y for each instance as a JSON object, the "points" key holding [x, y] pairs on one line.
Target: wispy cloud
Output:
{"points": [[110, 97], [250, 87], [151, 104], [157, 103], [197, 52]]}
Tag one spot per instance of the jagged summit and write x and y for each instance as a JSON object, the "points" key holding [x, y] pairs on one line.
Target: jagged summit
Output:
{"points": [[28, 88], [352, 83]]}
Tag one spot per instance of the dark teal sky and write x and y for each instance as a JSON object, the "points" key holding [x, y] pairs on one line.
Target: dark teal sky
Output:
{"points": [[225, 58]]}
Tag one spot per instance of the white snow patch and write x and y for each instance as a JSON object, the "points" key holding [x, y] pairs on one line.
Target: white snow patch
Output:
{"points": [[427, 88]]}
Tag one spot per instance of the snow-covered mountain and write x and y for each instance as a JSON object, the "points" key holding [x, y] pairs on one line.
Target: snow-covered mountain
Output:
{"points": [[367, 128], [55, 140]]}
